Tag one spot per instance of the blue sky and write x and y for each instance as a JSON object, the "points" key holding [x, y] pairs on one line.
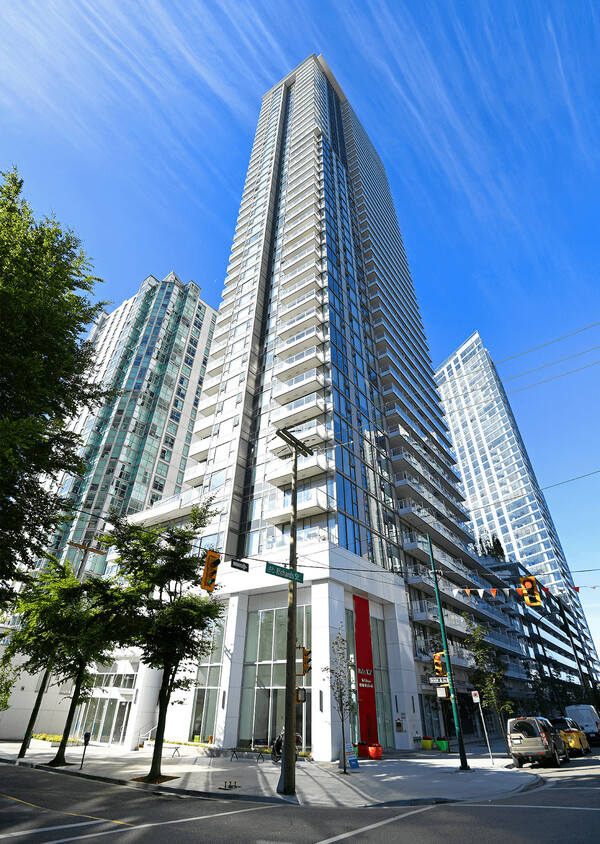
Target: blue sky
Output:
{"points": [[133, 123]]}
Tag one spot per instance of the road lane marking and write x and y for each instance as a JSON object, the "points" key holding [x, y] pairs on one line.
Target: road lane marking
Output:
{"points": [[61, 812], [48, 829], [522, 806], [131, 827], [374, 825]]}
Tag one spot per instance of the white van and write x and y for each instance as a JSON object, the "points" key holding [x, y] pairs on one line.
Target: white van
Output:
{"points": [[587, 718]]}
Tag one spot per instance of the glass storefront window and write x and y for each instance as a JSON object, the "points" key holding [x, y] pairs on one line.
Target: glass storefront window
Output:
{"points": [[263, 678], [208, 677]]}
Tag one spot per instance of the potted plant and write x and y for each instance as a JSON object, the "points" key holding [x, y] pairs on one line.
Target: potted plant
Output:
{"points": [[442, 743], [427, 742], [375, 751]]}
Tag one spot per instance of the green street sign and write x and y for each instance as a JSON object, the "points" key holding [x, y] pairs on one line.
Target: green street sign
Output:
{"points": [[289, 574]]}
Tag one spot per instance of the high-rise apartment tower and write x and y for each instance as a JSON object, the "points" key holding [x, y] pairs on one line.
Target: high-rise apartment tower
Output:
{"points": [[152, 349], [501, 489], [319, 332]]}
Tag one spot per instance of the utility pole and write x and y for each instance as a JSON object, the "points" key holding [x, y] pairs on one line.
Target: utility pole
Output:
{"points": [[464, 765], [46, 675], [287, 780]]}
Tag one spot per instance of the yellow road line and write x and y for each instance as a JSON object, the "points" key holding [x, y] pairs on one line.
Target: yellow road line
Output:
{"points": [[61, 812]]}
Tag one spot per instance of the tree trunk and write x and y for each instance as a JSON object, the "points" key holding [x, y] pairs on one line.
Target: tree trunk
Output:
{"points": [[509, 754], [164, 696], [59, 759], [34, 714], [344, 744]]}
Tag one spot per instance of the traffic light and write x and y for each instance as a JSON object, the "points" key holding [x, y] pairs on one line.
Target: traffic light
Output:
{"points": [[305, 661], [209, 575], [437, 663], [531, 593]]}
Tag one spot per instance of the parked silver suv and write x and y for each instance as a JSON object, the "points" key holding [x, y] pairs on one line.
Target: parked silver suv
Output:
{"points": [[534, 739]]}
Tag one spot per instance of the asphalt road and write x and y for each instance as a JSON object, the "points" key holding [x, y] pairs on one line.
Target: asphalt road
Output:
{"points": [[43, 806]]}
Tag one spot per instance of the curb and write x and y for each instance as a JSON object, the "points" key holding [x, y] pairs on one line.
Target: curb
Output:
{"points": [[280, 800], [146, 786]]}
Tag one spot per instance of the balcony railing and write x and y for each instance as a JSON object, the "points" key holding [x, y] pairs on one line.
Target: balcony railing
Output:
{"points": [[311, 502], [301, 410]]}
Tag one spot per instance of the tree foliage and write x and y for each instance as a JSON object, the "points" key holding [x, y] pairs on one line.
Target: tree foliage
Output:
{"points": [[67, 625], [172, 619], [45, 372], [339, 674]]}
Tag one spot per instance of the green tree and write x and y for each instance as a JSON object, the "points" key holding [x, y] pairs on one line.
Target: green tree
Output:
{"points": [[45, 373], [488, 673], [172, 619], [339, 674], [66, 626]]}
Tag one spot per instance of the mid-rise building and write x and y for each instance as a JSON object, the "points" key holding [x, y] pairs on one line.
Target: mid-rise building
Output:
{"points": [[500, 486], [319, 332]]}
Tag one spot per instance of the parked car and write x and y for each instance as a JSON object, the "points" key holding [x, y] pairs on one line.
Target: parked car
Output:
{"points": [[534, 739], [587, 718], [572, 735]]}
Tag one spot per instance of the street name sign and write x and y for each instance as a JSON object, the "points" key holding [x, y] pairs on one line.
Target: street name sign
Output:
{"points": [[438, 681], [288, 574]]}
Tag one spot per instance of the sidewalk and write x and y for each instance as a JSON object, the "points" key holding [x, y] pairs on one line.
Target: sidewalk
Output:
{"points": [[398, 779]]}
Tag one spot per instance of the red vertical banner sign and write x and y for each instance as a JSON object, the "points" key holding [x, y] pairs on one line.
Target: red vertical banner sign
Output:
{"points": [[367, 710]]}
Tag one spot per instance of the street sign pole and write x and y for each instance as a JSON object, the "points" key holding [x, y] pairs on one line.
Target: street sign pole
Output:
{"points": [[287, 780], [464, 765], [477, 699]]}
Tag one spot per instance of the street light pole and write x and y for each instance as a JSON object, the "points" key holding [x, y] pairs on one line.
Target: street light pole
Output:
{"points": [[464, 766], [287, 780]]}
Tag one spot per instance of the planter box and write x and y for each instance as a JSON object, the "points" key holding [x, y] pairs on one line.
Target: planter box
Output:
{"points": [[442, 745], [427, 744], [369, 751]]}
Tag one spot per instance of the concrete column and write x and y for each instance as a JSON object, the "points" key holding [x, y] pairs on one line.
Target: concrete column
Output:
{"points": [[328, 613], [144, 707], [234, 640], [403, 685]]}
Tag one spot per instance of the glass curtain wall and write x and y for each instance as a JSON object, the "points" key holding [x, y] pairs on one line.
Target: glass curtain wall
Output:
{"points": [[263, 681], [206, 693]]}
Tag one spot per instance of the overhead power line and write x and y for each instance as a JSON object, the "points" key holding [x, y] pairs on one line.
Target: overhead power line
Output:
{"points": [[526, 352], [549, 343]]}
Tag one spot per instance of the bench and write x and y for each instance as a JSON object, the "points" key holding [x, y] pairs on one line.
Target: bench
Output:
{"points": [[254, 752]]}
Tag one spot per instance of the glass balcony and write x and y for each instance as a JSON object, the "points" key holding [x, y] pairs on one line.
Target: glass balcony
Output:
{"points": [[199, 448], [427, 612], [311, 283], [307, 359], [313, 433], [211, 386], [301, 322], [308, 467], [194, 475], [311, 502], [300, 385], [208, 405], [301, 410], [307, 299], [310, 337], [404, 459]]}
